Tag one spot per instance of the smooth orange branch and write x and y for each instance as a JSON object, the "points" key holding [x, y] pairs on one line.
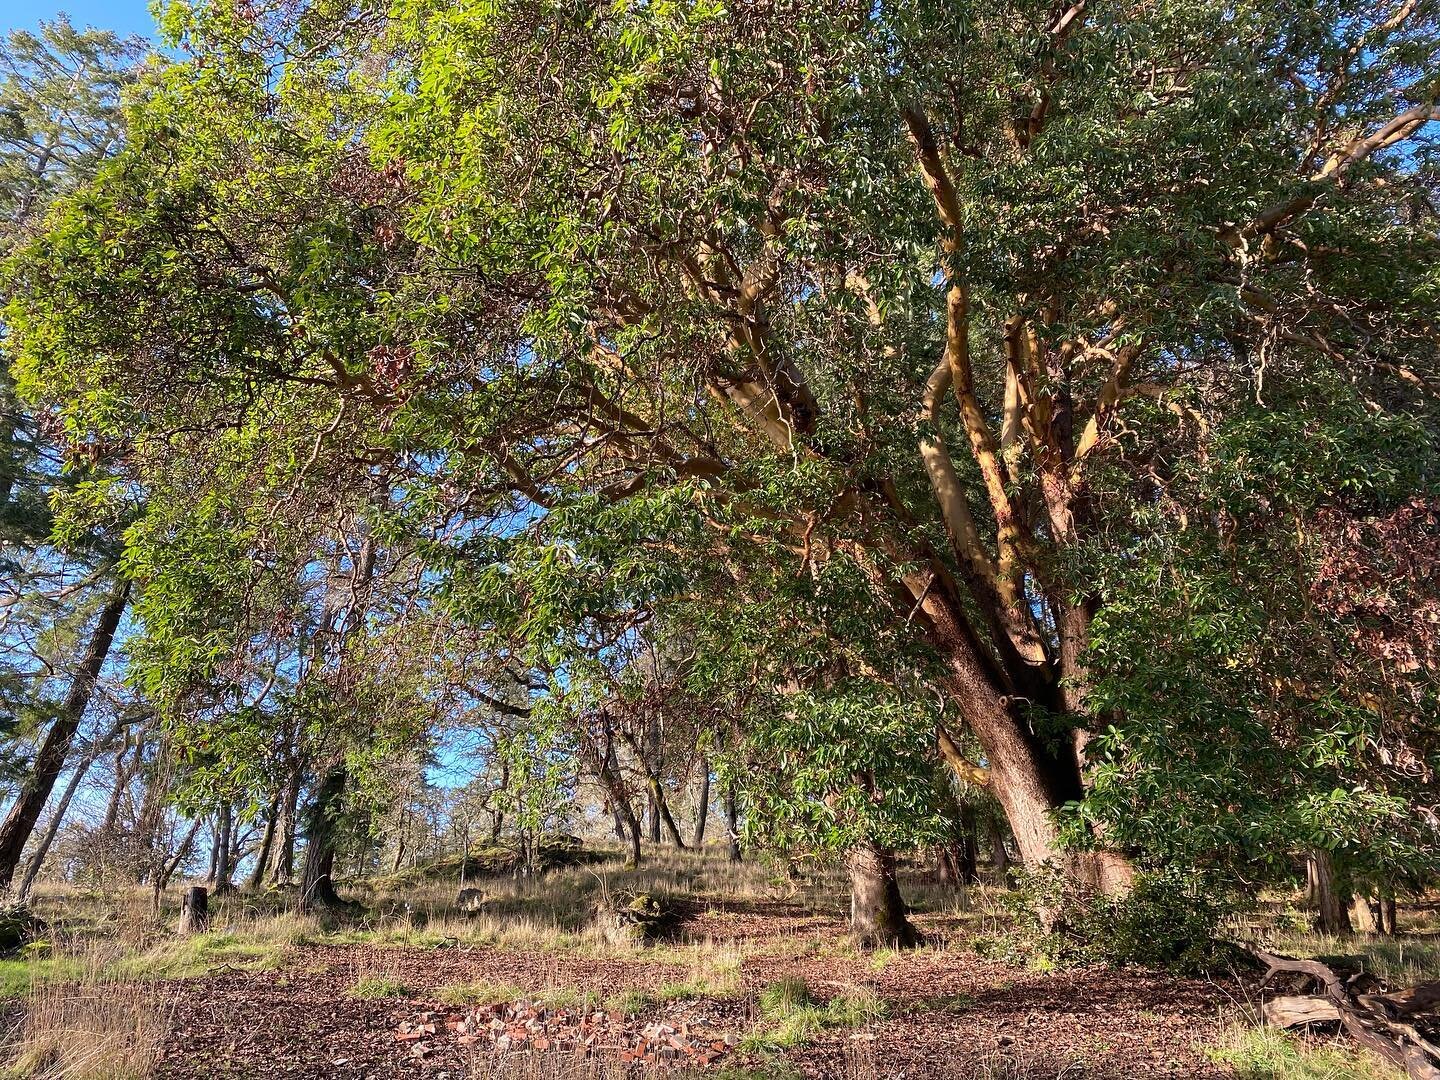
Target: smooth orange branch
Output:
{"points": [[963, 767], [983, 446]]}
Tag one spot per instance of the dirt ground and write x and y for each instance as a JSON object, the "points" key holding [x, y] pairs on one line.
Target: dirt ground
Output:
{"points": [[947, 1011]]}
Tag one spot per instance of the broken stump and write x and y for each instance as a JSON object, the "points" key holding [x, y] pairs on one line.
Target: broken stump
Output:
{"points": [[194, 911]]}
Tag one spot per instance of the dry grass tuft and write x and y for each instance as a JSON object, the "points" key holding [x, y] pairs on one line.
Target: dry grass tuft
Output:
{"points": [[91, 1029]]}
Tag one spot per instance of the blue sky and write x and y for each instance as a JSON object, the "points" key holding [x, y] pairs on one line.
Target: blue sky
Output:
{"points": [[122, 16]]}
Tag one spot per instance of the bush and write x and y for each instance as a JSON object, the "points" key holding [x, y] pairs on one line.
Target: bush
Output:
{"points": [[1168, 920]]}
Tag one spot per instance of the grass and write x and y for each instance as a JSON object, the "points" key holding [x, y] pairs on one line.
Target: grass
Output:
{"points": [[377, 988], [1403, 960], [1263, 1053], [19, 977], [89, 1029], [792, 1016]]}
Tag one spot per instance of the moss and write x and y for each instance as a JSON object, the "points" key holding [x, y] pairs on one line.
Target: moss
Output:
{"points": [[793, 1016]]}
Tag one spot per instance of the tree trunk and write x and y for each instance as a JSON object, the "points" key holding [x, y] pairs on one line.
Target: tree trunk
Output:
{"points": [[702, 803], [194, 911], [732, 820], [50, 761], [999, 853], [662, 808], [633, 823], [122, 777], [877, 913], [37, 860], [968, 849], [224, 868], [1331, 916], [1387, 912], [180, 853], [1029, 778], [653, 815], [214, 823], [1364, 914], [284, 872], [316, 887], [267, 842]]}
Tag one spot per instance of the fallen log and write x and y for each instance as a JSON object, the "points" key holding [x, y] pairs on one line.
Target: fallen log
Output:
{"points": [[1390, 1025], [1299, 1011]]}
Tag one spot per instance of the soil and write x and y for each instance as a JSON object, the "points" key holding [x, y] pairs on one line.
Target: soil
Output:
{"points": [[951, 1013]]}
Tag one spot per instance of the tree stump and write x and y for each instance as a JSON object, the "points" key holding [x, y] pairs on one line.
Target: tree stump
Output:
{"points": [[634, 918], [194, 911]]}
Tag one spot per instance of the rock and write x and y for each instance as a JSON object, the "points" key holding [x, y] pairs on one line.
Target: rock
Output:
{"points": [[470, 900]]}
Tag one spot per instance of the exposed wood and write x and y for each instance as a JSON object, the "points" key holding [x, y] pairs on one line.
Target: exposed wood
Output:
{"points": [[1298, 1011]]}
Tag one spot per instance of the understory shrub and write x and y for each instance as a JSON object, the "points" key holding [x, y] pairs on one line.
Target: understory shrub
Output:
{"points": [[1170, 919]]}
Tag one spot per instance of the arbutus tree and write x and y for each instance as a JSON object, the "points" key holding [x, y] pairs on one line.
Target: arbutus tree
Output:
{"points": [[926, 308]]}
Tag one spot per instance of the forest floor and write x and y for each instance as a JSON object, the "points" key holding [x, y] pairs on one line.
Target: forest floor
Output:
{"points": [[757, 980]]}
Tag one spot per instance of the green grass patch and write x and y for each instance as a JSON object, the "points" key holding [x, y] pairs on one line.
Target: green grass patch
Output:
{"points": [[378, 987], [792, 1015], [199, 955], [1260, 1053], [17, 977]]}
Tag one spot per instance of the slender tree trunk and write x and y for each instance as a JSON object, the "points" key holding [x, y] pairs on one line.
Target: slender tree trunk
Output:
{"points": [[399, 855], [652, 815], [632, 822], [284, 872], [1331, 916], [661, 812], [50, 761], [224, 868], [878, 917], [999, 853], [316, 887], [122, 777], [732, 820], [37, 860], [214, 850], [267, 843], [969, 847], [702, 803]]}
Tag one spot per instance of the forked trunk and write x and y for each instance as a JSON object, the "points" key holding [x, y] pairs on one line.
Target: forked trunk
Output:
{"points": [[1030, 779], [878, 919], [316, 887]]}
